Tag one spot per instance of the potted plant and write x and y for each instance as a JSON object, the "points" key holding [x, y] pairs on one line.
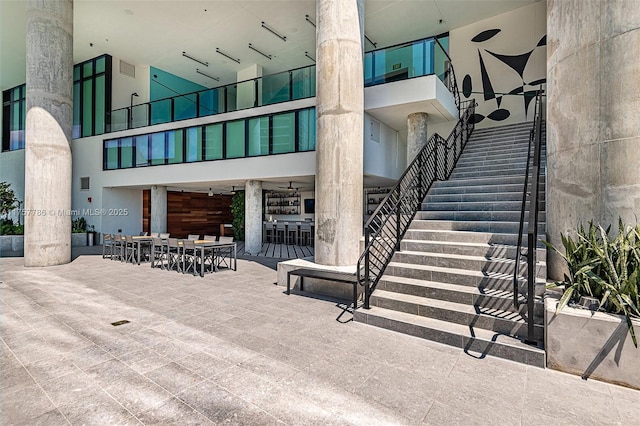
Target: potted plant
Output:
{"points": [[605, 269]]}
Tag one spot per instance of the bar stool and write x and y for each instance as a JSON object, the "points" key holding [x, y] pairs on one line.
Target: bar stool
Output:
{"points": [[281, 231], [268, 232], [306, 235]]}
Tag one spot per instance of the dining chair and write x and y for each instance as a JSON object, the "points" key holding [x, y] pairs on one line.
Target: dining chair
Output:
{"points": [[155, 234], [174, 259], [224, 253], [143, 234], [118, 247], [193, 237], [164, 235], [157, 253], [189, 256], [107, 246], [129, 249], [210, 237]]}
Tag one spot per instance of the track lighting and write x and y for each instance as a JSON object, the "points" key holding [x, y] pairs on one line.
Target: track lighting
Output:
{"points": [[306, 17], [283, 38], [309, 56], [260, 52], [206, 64], [227, 56], [207, 75]]}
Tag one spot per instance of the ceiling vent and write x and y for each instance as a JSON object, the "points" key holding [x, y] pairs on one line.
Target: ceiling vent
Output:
{"points": [[127, 69]]}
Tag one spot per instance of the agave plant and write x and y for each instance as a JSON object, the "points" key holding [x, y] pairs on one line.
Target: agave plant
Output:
{"points": [[608, 270]]}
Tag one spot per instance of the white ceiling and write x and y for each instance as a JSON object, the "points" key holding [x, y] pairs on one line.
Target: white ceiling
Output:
{"points": [[157, 32]]}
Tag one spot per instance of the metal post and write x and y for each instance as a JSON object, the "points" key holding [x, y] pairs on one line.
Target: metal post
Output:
{"points": [[367, 290], [398, 221]]}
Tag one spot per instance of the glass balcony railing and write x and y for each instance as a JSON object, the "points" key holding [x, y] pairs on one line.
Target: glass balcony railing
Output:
{"points": [[407, 60], [270, 89]]}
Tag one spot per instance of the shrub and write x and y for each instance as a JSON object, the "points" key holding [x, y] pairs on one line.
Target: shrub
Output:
{"points": [[237, 209], [604, 268]]}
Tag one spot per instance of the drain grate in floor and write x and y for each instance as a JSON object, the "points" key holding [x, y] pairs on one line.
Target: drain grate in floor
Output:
{"points": [[117, 323]]}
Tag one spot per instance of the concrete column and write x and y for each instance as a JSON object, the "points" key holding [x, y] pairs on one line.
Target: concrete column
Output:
{"points": [[49, 105], [158, 208], [253, 217], [417, 134], [339, 133], [593, 137]]}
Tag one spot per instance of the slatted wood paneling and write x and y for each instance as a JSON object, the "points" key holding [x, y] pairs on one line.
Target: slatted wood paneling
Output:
{"points": [[191, 213]]}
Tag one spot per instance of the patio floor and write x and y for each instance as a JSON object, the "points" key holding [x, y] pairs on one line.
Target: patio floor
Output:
{"points": [[233, 348]]}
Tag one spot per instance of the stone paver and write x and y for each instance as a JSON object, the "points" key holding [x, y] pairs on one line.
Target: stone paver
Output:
{"points": [[233, 348]]}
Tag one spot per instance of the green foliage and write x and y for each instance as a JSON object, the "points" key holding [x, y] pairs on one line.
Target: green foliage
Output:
{"points": [[237, 209], [604, 268], [8, 199], [79, 225], [8, 228]]}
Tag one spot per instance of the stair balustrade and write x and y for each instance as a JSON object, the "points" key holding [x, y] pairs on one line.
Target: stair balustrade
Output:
{"points": [[389, 222], [532, 175]]}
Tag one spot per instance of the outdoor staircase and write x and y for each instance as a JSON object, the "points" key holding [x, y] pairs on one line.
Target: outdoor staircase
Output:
{"points": [[452, 281]]}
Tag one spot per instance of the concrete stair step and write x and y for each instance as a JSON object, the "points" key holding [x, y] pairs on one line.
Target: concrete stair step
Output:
{"points": [[504, 251], [471, 339], [486, 298], [468, 262], [497, 181], [483, 158], [508, 227], [477, 279], [487, 173], [481, 205], [484, 149], [470, 215], [473, 186], [504, 322], [510, 164], [479, 197], [426, 234]]}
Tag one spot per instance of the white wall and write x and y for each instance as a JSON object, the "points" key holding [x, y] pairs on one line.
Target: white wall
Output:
{"points": [[519, 33], [386, 157], [123, 85], [121, 210]]}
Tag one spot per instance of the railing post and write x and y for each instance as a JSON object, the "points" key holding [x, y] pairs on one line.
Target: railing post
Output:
{"points": [[398, 206], [531, 285], [367, 288]]}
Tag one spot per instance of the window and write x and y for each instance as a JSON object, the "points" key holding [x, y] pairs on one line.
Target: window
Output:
{"points": [[13, 118], [91, 97]]}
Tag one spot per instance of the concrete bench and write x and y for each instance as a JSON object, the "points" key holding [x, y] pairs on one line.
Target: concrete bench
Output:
{"points": [[341, 277]]}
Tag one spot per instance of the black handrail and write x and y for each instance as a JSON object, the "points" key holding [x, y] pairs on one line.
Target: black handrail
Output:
{"points": [[449, 78], [389, 222], [535, 142]]}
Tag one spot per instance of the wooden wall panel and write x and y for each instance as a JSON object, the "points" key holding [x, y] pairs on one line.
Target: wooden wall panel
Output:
{"points": [[197, 213], [146, 210]]}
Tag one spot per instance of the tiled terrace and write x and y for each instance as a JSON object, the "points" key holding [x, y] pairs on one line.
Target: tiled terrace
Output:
{"points": [[233, 348]]}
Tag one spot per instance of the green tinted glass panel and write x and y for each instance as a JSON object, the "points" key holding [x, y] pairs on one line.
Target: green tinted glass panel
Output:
{"points": [[100, 105], [87, 69], [231, 95], [175, 150], [76, 111], [307, 129], [100, 64], [284, 133], [194, 144], [275, 88], [76, 73], [157, 148], [259, 136], [208, 102], [111, 148], [87, 101], [142, 151], [184, 107], [126, 153], [213, 142], [161, 111], [303, 83], [235, 139]]}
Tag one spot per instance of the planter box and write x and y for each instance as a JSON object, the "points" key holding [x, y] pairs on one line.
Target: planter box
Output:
{"points": [[16, 242], [591, 344]]}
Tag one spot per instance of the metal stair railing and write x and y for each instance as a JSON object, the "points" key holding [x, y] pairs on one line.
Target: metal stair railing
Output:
{"points": [[389, 222], [533, 196]]}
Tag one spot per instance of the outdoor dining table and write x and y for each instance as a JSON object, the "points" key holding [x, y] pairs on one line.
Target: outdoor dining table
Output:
{"points": [[202, 245], [139, 240]]}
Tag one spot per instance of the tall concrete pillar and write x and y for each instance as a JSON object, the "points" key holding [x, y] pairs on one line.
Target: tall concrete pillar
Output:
{"points": [[339, 133], [417, 134], [49, 105], [593, 137], [253, 217], [158, 208]]}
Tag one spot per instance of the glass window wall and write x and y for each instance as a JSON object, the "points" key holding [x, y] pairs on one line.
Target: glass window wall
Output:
{"points": [[286, 132]]}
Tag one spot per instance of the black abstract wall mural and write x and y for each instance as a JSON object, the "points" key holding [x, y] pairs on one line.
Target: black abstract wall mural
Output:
{"points": [[517, 63]]}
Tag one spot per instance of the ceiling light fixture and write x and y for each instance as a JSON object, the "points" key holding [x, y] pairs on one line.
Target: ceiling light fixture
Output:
{"points": [[210, 192], [281, 37], [233, 190], [306, 17], [206, 64], [308, 56], [260, 52], [207, 75], [370, 41], [227, 56]]}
